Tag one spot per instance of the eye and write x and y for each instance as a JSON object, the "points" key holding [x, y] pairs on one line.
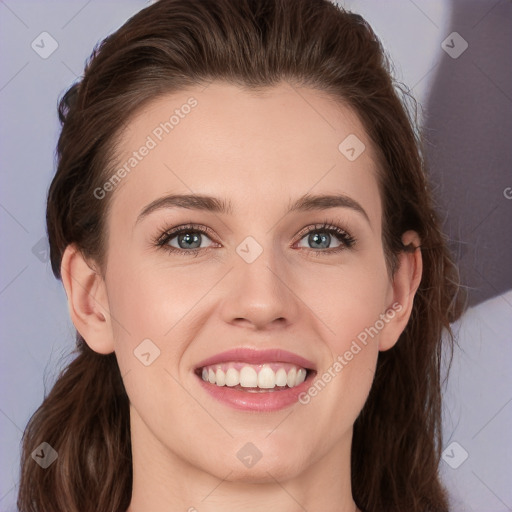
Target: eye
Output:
{"points": [[188, 240], [184, 239], [321, 237]]}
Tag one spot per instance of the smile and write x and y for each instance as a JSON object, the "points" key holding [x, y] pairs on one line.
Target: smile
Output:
{"points": [[255, 380]]}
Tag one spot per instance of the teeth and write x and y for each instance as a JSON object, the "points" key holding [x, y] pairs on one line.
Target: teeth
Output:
{"points": [[301, 376], [232, 377], [291, 378], [248, 377], [281, 377], [220, 377], [266, 376]]}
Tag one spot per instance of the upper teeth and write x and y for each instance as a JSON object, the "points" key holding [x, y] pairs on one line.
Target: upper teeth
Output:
{"points": [[252, 376]]}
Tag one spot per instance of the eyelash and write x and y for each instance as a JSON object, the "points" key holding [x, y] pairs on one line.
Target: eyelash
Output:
{"points": [[347, 240]]}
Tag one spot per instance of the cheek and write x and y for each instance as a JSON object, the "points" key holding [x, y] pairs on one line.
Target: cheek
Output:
{"points": [[145, 296], [152, 300], [350, 308], [152, 311], [350, 300]]}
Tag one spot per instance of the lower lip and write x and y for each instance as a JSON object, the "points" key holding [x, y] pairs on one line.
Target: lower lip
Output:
{"points": [[266, 401]]}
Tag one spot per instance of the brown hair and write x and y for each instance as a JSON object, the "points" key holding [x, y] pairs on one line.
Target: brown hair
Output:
{"points": [[166, 47]]}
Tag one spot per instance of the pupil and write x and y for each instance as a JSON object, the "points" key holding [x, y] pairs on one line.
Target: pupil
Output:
{"points": [[187, 238], [326, 238]]}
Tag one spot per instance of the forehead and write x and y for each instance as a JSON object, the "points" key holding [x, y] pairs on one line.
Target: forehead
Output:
{"points": [[256, 148]]}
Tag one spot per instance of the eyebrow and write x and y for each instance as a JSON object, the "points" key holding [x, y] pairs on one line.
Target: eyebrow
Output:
{"points": [[216, 205]]}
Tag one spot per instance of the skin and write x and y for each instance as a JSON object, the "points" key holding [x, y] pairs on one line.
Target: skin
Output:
{"points": [[260, 151]]}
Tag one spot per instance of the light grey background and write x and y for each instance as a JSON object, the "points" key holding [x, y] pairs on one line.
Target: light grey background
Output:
{"points": [[467, 107]]}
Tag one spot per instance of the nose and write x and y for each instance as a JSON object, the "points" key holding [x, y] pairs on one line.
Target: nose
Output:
{"points": [[260, 294]]}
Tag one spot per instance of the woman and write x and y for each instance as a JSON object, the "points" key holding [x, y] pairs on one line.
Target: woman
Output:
{"points": [[289, 357]]}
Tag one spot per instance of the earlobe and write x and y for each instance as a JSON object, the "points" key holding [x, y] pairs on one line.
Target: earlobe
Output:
{"points": [[87, 300], [406, 281]]}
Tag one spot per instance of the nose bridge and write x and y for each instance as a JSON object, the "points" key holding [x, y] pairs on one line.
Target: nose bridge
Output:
{"points": [[257, 265], [260, 293]]}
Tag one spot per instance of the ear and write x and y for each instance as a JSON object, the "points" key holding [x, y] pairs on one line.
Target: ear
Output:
{"points": [[87, 301], [405, 282]]}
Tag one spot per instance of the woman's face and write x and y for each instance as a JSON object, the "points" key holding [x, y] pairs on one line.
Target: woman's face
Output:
{"points": [[265, 275]]}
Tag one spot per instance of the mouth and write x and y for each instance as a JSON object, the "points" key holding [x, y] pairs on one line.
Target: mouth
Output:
{"points": [[256, 380]]}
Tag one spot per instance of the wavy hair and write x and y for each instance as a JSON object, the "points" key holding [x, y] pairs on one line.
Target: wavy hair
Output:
{"points": [[168, 46]]}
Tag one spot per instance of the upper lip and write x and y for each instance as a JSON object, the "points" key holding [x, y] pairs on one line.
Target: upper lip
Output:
{"points": [[257, 356]]}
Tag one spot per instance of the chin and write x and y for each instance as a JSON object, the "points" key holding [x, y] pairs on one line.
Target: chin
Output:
{"points": [[277, 467]]}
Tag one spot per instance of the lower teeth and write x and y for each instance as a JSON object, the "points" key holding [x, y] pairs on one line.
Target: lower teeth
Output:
{"points": [[254, 390], [258, 390]]}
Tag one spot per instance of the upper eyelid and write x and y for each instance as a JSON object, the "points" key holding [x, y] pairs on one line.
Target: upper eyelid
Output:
{"points": [[171, 233], [321, 225]]}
